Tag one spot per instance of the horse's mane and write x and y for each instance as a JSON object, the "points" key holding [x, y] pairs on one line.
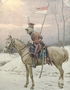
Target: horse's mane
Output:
{"points": [[20, 41]]}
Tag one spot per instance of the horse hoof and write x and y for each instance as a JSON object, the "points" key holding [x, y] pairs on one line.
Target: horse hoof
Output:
{"points": [[25, 86], [60, 85], [32, 88]]}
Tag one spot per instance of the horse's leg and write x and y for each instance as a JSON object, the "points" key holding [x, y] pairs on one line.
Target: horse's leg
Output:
{"points": [[61, 78], [31, 76], [27, 76]]}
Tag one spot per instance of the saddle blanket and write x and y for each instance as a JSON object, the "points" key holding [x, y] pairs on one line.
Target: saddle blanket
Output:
{"points": [[41, 54]]}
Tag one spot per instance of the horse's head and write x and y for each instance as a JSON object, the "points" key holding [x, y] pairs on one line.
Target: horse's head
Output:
{"points": [[10, 42], [14, 43]]}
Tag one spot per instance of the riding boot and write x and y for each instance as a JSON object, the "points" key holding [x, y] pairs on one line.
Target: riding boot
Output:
{"points": [[33, 63]]}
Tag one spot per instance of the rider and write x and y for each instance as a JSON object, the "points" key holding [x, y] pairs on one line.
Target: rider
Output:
{"points": [[36, 38], [37, 41]]}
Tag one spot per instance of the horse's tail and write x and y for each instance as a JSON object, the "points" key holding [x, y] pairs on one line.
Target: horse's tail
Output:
{"points": [[66, 55]]}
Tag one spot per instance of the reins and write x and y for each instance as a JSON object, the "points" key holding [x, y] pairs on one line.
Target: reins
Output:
{"points": [[22, 48]]}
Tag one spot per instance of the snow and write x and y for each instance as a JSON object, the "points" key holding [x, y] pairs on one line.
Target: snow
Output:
{"points": [[12, 74]]}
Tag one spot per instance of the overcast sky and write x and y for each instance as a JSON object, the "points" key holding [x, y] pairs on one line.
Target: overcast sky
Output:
{"points": [[14, 13]]}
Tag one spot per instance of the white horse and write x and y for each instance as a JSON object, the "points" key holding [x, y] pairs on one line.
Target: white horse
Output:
{"points": [[57, 55]]}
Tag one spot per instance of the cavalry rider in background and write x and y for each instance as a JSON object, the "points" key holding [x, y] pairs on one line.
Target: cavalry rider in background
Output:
{"points": [[37, 41]]}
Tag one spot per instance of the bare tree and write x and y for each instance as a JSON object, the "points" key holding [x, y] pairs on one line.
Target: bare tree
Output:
{"points": [[63, 23], [55, 14]]}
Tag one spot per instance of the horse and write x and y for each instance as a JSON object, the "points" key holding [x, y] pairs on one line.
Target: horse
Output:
{"points": [[57, 55]]}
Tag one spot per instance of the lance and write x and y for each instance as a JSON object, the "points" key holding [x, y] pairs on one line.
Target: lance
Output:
{"points": [[43, 22], [44, 8]]}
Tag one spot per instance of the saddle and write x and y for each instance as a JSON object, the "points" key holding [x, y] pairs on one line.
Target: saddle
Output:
{"points": [[41, 53]]}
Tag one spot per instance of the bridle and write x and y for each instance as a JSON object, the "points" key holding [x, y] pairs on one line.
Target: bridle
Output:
{"points": [[13, 45]]}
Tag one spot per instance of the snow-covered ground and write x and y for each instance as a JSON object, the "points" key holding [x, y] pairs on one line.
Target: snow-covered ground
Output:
{"points": [[12, 74]]}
